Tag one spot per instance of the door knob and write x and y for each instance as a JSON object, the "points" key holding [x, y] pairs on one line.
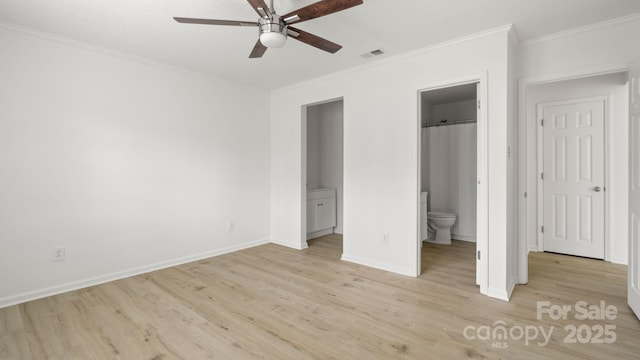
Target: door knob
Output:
{"points": [[597, 189]]}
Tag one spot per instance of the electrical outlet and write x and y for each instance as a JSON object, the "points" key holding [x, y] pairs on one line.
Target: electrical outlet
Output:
{"points": [[57, 254], [385, 239], [231, 226]]}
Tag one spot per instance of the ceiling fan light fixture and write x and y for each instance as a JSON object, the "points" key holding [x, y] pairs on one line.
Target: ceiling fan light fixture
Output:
{"points": [[273, 39], [273, 32], [273, 29]]}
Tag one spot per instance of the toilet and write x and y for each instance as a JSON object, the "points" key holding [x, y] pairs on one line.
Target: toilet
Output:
{"points": [[440, 223]]}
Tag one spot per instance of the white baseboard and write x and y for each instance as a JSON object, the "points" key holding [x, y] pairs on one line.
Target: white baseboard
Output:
{"points": [[622, 261], [296, 246], [511, 286], [500, 294], [379, 265], [315, 234], [503, 294], [469, 238], [101, 279]]}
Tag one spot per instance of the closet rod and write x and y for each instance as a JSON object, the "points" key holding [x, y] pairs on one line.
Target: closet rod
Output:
{"points": [[450, 123]]}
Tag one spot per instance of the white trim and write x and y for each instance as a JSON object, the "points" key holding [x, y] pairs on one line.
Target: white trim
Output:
{"points": [[482, 217], [539, 182], [304, 236], [606, 99], [523, 97], [500, 294], [608, 118], [303, 176], [457, 81], [418, 235], [510, 287], [467, 238], [101, 279], [618, 260], [581, 29], [300, 246], [120, 54], [573, 74], [482, 222], [523, 194], [407, 271], [319, 233], [379, 62]]}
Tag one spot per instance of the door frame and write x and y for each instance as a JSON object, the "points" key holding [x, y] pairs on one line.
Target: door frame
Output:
{"points": [[523, 139], [303, 158], [606, 99], [633, 290], [482, 194]]}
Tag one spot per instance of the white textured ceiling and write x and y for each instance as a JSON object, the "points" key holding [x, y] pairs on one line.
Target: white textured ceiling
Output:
{"points": [[145, 28]]}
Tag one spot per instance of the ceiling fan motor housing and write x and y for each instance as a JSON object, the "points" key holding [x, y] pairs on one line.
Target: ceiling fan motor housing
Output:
{"points": [[273, 32]]}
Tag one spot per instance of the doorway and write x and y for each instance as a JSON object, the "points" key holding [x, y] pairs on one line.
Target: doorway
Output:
{"points": [[323, 170], [596, 218], [452, 154], [573, 176]]}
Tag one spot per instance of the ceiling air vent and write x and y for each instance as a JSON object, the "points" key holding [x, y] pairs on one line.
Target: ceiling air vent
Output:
{"points": [[372, 53]]}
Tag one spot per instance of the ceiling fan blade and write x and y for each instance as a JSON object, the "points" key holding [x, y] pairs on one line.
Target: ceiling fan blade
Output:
{"points": [[258, 50], [316, 10], [214, 22], [261, 8], [313, 40]]}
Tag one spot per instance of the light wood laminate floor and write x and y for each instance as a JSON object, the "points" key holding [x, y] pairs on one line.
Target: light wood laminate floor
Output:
{"points": [[272, 302]]}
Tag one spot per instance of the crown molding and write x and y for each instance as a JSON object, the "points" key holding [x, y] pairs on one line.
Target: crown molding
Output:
{"points": [[119, 54], [376, 63], [586, 28]]}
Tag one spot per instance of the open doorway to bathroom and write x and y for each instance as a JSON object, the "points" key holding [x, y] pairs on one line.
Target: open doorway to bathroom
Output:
{"points": [[448, 180], [323, 173]]}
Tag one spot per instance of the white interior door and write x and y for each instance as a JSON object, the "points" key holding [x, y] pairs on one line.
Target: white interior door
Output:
{"points": [[633, 293], [573, 178]]}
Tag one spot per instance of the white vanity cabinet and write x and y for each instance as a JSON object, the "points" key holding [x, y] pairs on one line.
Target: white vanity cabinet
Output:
{"points": [[321, 212]]}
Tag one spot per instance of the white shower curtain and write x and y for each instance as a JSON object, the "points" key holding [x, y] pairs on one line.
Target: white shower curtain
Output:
{"points": [[451, 170]]}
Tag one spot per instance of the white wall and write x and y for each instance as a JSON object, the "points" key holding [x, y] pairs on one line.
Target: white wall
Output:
{"points": [[313, 147], [425, 164], [592, 50], [618, 145], [381, 151], [130, 166], [454, 111], [133, 166], [425, 112], [324, 151]]}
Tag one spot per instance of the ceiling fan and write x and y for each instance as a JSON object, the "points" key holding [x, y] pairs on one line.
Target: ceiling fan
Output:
{"points": [[274, 28]]}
